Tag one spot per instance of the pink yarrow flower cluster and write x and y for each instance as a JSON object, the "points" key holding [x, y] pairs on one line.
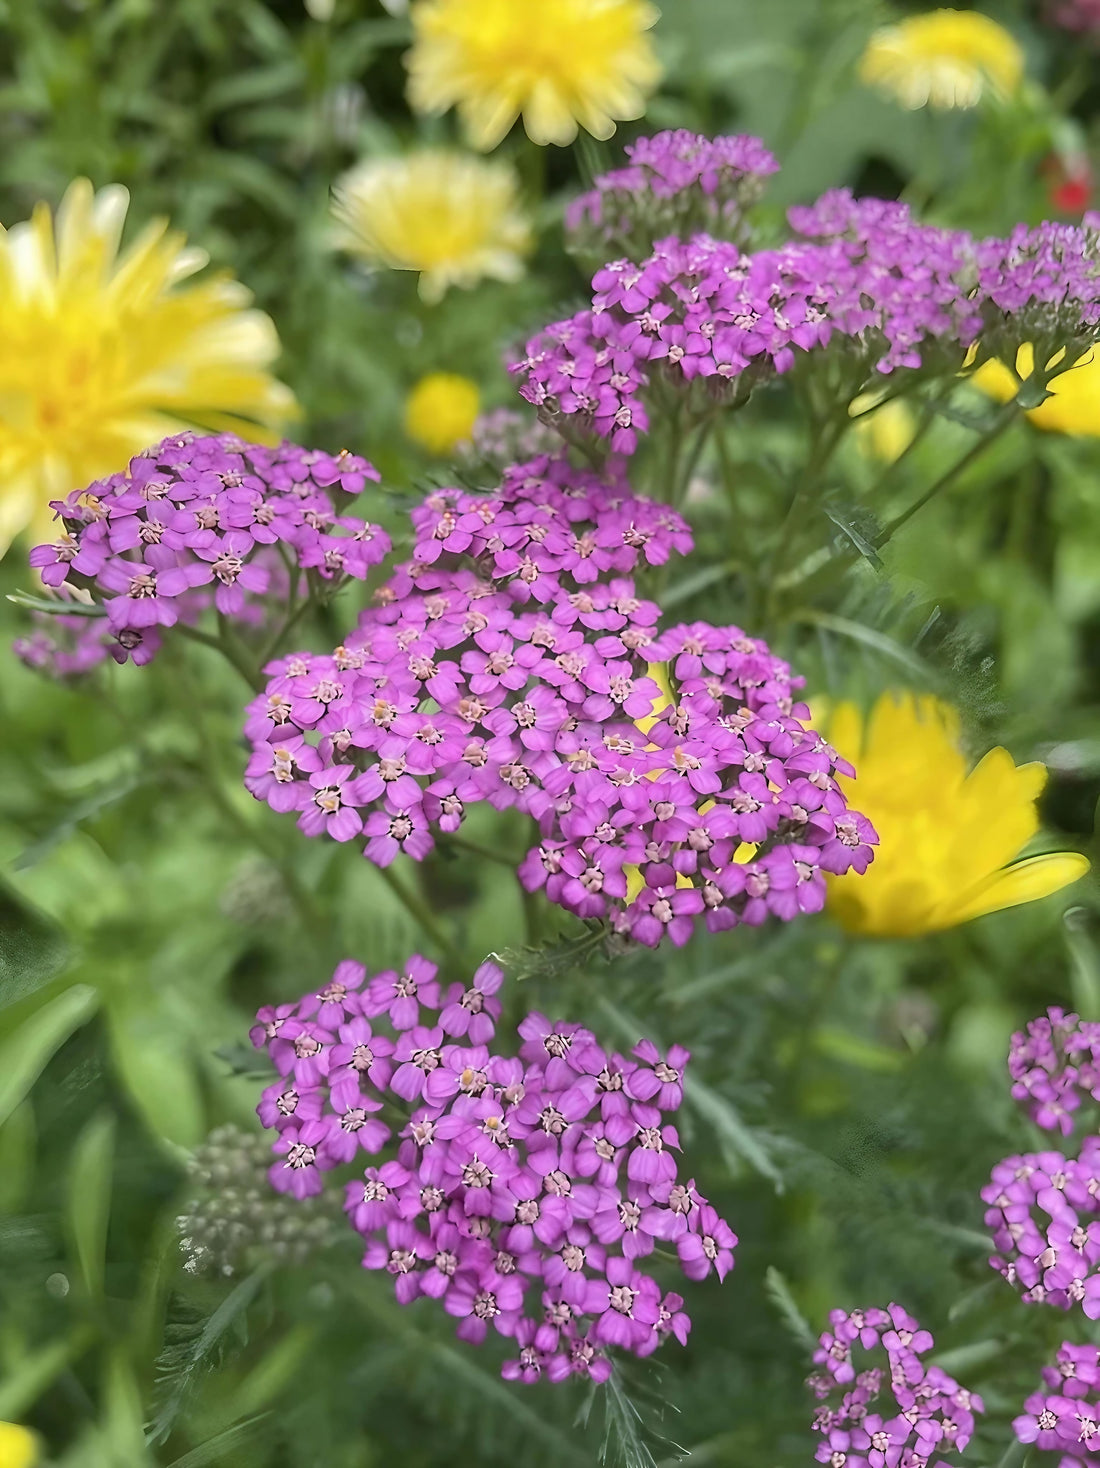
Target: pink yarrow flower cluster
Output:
{"points": [[1065, 1417], [513, 661], [1055, 1065], [701, 317], [524, 1191], [1044, 1215], [892, 1411], [675, 182], [200, 514]]}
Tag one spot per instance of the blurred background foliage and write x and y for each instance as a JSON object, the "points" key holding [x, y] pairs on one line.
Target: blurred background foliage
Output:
{"points": [[850, 1095]]}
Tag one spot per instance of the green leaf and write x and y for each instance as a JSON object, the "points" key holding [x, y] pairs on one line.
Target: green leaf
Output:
{"points": [[216, 1447], [879, 641], [157, 1062], [25, 1053], [798, 1327], [738, 1141], [90, 1199], [33, 949], [37, 1370], [193, 1346], [860, 527], [550, 960]]}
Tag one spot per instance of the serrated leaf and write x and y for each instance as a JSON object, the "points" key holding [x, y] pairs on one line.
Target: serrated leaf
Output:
{"points": [[860, 527], [26, 1052], [33, 949], [778, 1292], [549, 960]]}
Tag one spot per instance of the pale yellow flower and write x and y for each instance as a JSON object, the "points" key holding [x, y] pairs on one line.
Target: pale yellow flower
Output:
{"points": [[1074, 406], [885, 432], [18, 1446], [454, 218], [102, 354], [441, 410], [943, 59], [558, 62], [948, 836]]}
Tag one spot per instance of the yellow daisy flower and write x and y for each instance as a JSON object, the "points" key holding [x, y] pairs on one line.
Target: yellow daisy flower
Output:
{"points": [[18, 1446], [558, 62], [102, 354], [452, 217], [1074, 406], [885, 432], [943, 59], [441, 410], [946, 835]]}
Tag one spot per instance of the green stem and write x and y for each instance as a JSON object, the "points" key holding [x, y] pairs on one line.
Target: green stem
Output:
{"points": [[418, 909], [826, 435], [1004, 419], [449, 840], [293, 617], [233, 654], [924, 423]]}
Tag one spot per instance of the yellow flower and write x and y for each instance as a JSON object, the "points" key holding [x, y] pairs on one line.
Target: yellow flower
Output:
{"points": [[884, 432], [944, 59], [1075, 404], [558, 62], [440, 411], [102, 354], [945, 835], [18, 1446], [452, 217]]}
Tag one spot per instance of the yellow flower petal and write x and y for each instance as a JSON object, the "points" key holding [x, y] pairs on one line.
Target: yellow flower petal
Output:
{"points": [[1026, 881], [943, 59], [103, 354], [441, 410], [945, 835], [1074, 404], [19, 1446], [559, 63], [454, 218]]}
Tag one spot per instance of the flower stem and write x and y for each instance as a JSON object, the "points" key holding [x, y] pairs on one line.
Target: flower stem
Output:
{"points": [[232, 652], [1003, 420], [418, 909]]}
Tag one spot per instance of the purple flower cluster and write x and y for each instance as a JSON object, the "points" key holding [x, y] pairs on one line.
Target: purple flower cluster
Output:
{"points": [[1044, 1214], [930, 1413], [194, 513], [524, 1190], [1041, 285], [1054, 1065], [700, 309], [674, 183], [69, 646], [711, 322], [1065, 1418], [512, 661]]}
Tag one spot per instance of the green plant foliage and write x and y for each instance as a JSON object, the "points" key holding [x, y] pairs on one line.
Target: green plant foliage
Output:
{"points": [[846, 1097]]}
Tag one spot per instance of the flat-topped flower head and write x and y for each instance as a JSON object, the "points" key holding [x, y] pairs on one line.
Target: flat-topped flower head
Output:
{"points": [[1045, 1222], [674, 183], [452, 218], [949, 836], [881, 1404], [665, 798], [104, 352], [943, 59], [561, 64], [199, 522], [525, 1191], [1055, 1065], [1064, 1416]]}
